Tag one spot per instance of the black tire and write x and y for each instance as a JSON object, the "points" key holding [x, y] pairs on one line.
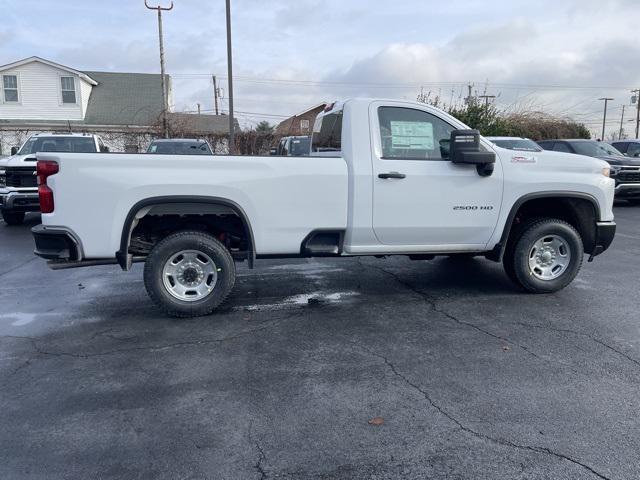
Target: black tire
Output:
{"points": [[167, 249], [13, 218], [521, 244]]}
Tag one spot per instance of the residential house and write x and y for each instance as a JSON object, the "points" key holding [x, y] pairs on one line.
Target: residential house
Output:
{"points": [[39, 95], [300, 124]]}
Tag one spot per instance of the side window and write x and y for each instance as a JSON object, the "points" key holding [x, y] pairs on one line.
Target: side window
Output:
{"points": [[327, 133], [409, 134], [633, 150], [621, 146], [561, 147]]}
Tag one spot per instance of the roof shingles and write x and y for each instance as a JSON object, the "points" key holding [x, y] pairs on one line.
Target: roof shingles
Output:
{"points": [[125, 99]]}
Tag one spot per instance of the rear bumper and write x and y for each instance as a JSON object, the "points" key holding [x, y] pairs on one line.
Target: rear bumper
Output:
{"points": [[605, 232], [56, 243], [20, 202]]}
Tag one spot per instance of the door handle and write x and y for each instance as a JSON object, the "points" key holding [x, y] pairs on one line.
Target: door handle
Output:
{"points": [[391, 175]]}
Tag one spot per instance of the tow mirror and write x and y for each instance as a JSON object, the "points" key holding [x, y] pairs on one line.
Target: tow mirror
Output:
{"points": [[14, 150], [464, 148]]}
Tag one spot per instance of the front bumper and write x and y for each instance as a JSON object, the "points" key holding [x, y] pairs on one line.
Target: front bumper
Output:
{"points": [[56, 243], [20, 202], [628, 190], [605, 232]]}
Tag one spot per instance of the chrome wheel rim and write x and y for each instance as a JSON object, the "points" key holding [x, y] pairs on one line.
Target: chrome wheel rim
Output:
{"points": [[549, 257], [190, 275]]}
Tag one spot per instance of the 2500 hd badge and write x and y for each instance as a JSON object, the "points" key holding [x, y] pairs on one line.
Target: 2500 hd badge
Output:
{"points": [[473, 207]]}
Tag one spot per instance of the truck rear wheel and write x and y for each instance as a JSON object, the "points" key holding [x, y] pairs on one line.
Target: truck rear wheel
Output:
{"points": [[13, 218], [544, 256], [189, 274]]}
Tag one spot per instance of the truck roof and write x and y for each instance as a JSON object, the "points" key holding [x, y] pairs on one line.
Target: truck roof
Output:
{"points": [[62, 134], [177, 140]]}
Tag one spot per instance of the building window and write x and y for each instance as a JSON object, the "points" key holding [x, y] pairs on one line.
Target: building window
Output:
{"points": [[68, 89], [10, 87], [304, 125]]}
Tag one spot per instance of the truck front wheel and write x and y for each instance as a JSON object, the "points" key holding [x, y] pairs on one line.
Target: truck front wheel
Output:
{"points": [[544, 256], [189, 274], [13, 218]]}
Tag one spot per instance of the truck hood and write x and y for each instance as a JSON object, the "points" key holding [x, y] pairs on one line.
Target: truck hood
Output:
{"points": [[19, 161], [617, 160], [554, 160]]}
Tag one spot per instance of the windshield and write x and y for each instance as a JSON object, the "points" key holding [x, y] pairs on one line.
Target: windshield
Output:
{"points": [[300, 147], [180, 148], [595, 149], [58, 144], [523, 144]]}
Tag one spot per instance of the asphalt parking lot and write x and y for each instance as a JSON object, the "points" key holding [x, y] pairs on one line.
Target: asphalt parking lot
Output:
{"points": [[473, 379]]}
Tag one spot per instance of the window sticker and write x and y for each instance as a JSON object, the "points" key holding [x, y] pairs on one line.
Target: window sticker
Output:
{"points": [[412, 135]]}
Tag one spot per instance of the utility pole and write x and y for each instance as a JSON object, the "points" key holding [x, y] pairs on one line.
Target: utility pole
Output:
{"points": [[470, 87], [621, 122], [637, 93], [230, 80], [215, 93], [165, 100], [604, 118], [486, 100]]}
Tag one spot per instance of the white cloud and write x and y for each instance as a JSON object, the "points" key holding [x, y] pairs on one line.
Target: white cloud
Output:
{"points": [[358, 42]]}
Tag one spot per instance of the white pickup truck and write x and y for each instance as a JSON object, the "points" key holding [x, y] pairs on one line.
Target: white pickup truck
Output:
{"points": [[384, 178]]}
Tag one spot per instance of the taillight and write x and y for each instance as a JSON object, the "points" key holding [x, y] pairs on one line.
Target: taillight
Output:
{"points": [[44, 170]]}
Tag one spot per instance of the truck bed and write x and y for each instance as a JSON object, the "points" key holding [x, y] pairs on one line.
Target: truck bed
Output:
{"points": [[285, 198]]}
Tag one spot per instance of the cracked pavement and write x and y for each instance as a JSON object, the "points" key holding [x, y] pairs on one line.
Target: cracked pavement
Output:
{"points": [[474, 379]]}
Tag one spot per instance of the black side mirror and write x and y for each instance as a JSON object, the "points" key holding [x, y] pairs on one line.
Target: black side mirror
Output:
{"points": [[104, 149], [14, 150], [464, 148]]}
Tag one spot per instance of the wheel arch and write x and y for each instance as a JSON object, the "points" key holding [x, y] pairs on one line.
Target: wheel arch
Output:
{"points": [[123, 257], [579, 209]]}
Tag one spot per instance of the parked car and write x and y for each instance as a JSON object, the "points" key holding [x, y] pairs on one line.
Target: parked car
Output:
{"points": [[629, 148], [18, 182], [516, 143], [180, 146], [188, 219], [625, 170], [297, 146]]}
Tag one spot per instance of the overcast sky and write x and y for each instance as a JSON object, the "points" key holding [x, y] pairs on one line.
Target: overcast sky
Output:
{"points": [[558, 56]]}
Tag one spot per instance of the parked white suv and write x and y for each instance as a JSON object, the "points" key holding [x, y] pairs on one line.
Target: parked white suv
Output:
{"points": [[397, 178], [18, 181]]}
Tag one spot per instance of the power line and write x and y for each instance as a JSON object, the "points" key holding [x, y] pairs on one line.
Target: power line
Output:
{"points": [[247, 79]]}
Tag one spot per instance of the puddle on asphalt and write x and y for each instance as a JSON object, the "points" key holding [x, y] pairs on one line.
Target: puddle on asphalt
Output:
{"points": [[296, 301]]}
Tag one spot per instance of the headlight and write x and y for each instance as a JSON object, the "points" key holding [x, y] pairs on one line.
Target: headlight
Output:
{"points": [[606, 171]]}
